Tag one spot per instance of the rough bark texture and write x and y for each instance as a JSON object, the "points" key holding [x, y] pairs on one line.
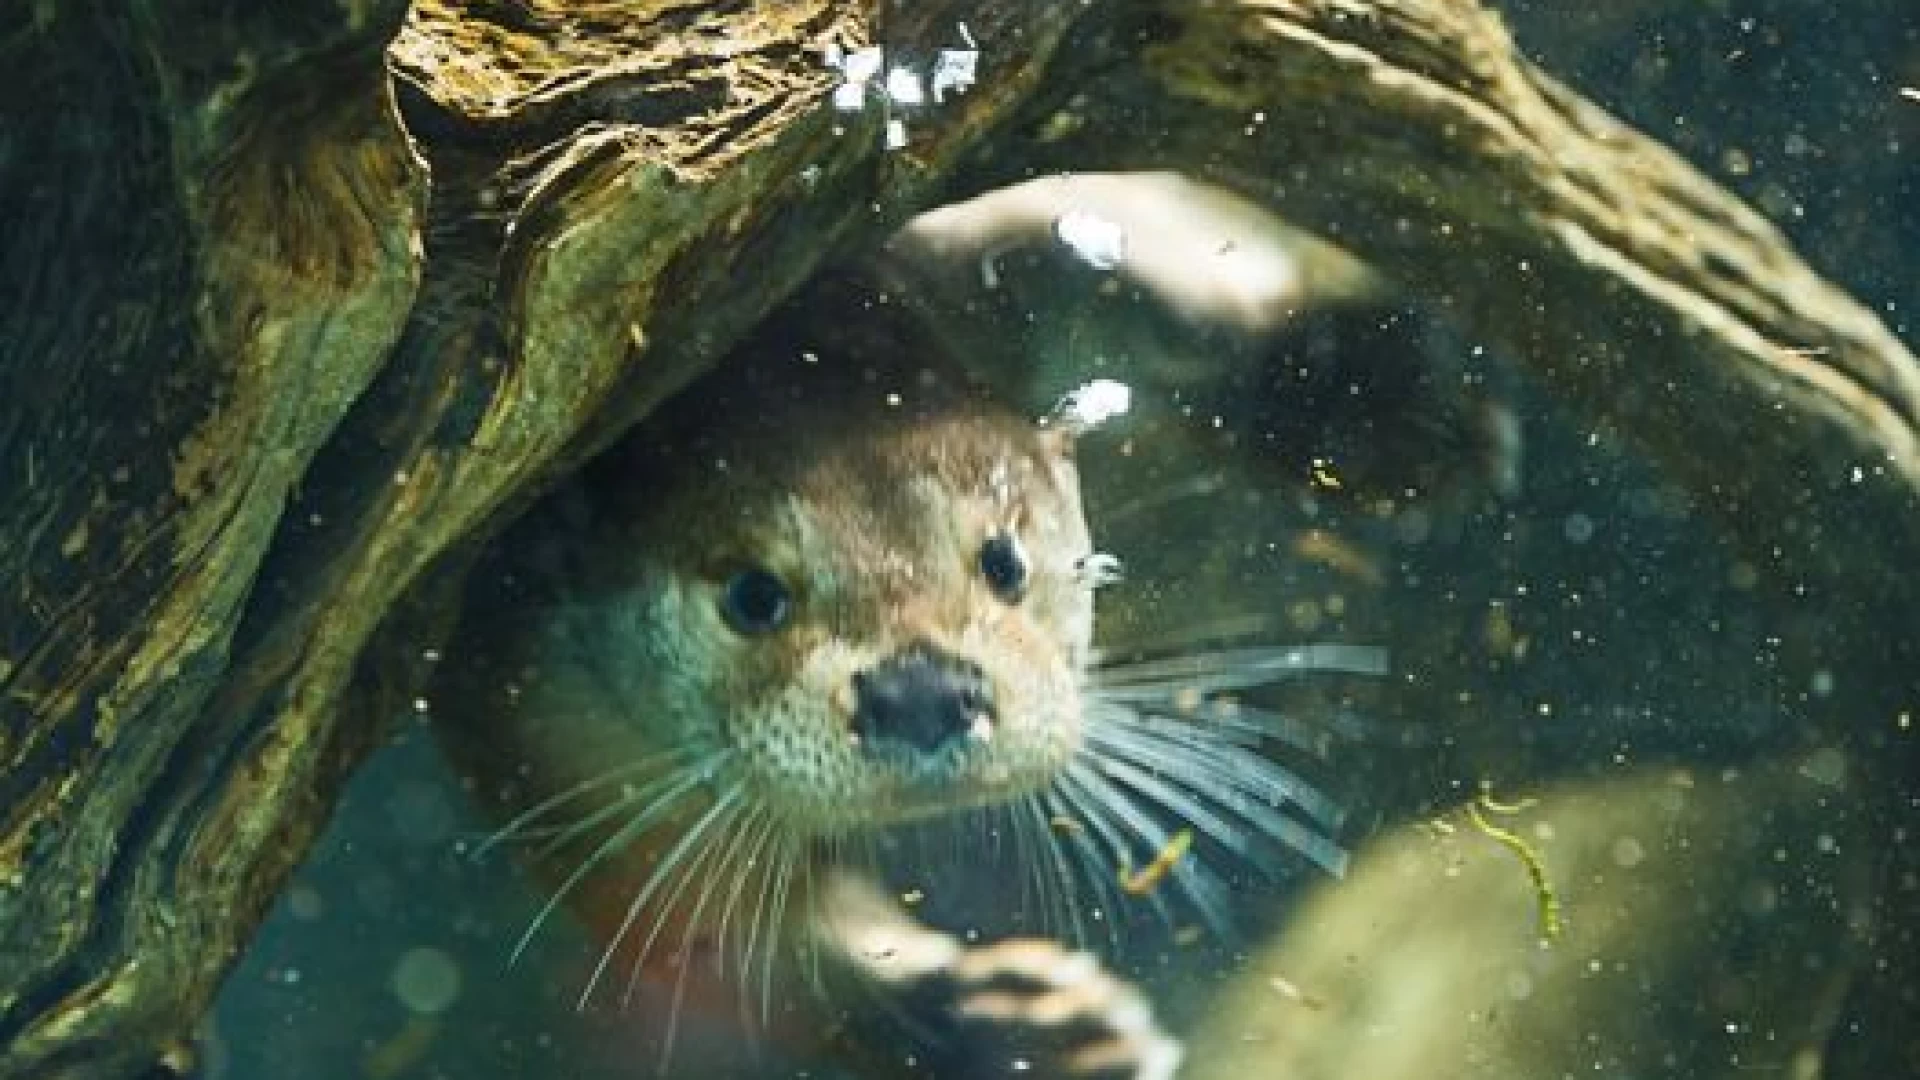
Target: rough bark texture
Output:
{"points": [[213, 245], [265, 359]]}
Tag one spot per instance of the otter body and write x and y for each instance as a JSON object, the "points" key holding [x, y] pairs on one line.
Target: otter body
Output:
{"points": [[833, 588]]}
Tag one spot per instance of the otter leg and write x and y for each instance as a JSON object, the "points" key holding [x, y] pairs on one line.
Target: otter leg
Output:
{"points": [[1033, 1004]]}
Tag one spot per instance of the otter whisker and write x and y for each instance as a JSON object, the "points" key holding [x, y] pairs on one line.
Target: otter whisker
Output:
{"points": [[1230, 669], [689, 840], [1195, 879], [1187, 638], [810, 941], [721, 863], [791, 852], [761, 826], [1237, 719], [1149, 764], [1250, 724], [690, 777], [1193, 487], [1007, 825], [518, 827], [1227, 761], [779, 850], [1060, 806], [993, 828], [560, 836], [1033, 895], [1181, 801], [1093, 807], [1061, 888], [682, 876]]}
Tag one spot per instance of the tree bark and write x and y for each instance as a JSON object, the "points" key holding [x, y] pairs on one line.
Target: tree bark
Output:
{"points": [[299, 302]]}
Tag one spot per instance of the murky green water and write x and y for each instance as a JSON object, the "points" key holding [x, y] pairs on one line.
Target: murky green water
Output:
{"points": [[1714, 768]]}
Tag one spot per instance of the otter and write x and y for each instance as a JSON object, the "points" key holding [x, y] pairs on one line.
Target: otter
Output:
{"points": [[830, 590]]}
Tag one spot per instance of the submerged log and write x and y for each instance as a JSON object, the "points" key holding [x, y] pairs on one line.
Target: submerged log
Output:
{"points": [[299, 302]]}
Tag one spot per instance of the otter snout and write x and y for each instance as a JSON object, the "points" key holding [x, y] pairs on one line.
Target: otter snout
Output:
{"points": [[922, 698]]}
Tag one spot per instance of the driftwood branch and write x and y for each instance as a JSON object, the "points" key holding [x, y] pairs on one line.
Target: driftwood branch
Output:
{"points": [[274, 346], [211, 254]]}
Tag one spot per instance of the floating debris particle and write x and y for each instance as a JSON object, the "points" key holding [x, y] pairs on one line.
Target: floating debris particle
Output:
{"points": [[1548, 901], [1911, 93], [1336, 554], [1147, 878], [1286, 989], [1323, 475], [397, 1055], [1502, 638], [1065, 825]]}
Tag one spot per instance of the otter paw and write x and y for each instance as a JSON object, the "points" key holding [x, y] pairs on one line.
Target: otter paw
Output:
{"points": [[1023, 1007], [1059, 1012]]}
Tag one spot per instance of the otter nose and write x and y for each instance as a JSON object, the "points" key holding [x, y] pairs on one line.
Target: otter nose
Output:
{"points": [[921, 697]]}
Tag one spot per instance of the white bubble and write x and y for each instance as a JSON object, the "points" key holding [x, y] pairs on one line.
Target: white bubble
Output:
{"points": [[904, 87], [863, 64], [1519, 985], [304, 903], [1100, 242], [1821, 685], [1095, 403], [426, 981], [954, 71]]}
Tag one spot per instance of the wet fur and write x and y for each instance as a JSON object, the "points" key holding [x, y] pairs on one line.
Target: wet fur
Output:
{"points": [[688, 790]]}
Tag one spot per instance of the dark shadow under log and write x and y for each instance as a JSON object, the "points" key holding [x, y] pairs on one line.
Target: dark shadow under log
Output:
{"points": [[295, 306]]}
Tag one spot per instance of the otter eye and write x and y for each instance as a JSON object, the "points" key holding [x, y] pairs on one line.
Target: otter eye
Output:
{"points": [[756, 601], [1004, 566]]}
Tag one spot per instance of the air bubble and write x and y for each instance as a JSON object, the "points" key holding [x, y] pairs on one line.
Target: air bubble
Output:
{"points": [[426, 980]]}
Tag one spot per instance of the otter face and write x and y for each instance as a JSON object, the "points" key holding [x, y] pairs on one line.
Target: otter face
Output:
{"points": [[883, 630]]}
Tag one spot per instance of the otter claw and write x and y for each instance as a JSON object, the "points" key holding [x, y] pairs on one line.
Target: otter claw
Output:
{"points": [[1038, 984]]}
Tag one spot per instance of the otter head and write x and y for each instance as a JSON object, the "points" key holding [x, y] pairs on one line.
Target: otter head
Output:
{"points": [[866, 597]]}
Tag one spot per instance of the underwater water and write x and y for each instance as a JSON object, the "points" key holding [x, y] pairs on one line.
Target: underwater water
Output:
{"points": [[1616, 809]]}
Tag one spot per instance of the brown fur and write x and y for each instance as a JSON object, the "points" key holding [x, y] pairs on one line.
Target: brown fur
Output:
{"points": [[593, 635]]}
